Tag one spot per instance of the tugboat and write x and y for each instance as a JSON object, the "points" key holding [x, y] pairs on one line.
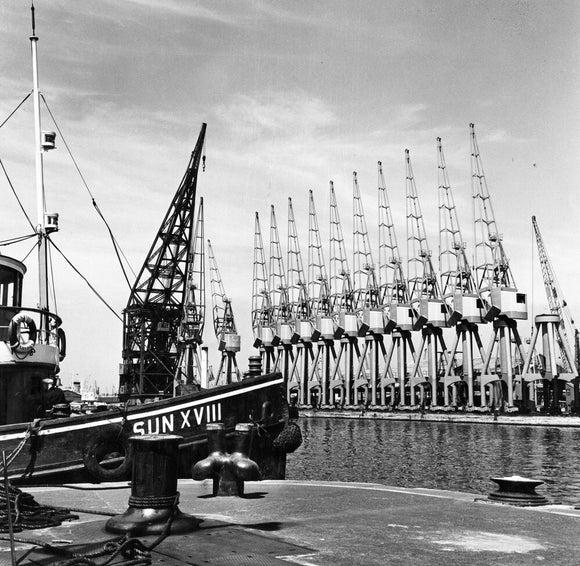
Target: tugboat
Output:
{"points": [[50, 447]]}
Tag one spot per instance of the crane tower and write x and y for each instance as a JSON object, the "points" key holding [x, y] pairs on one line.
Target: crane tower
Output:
{"points": [[153, 315]]}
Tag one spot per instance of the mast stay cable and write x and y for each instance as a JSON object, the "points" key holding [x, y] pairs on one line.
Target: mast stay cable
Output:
{"points": [[116, 246], [16, 196], [84, 279]]}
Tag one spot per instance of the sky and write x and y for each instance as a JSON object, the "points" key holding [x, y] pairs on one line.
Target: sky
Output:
{"points": [[295, 94]]}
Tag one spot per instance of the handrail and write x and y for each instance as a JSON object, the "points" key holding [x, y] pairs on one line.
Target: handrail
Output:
{"points": [[46, 335]]}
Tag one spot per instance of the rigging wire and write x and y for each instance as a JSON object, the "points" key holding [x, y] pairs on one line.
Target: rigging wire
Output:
{"points": [[16, 109], [16, 240], [85, 279], [116, 246], [31, 250], [16, 195], [52, 280]]}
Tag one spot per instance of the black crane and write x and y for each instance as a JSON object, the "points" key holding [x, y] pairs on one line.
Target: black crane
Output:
{"points": [[154, 312]]}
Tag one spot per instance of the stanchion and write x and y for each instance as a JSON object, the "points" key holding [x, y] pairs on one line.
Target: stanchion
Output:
{"points": [[154, 495]]}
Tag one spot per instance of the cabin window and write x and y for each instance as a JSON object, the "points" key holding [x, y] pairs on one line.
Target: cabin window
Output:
{"points": [[443, 309], [10, 287], [521, 298], [479, 303]]}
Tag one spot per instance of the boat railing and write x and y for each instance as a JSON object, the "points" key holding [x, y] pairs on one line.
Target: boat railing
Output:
{"points": [[47, 324]]}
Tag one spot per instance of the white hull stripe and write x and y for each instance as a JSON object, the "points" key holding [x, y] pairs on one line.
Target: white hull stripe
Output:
{"points": [[144, 414]]}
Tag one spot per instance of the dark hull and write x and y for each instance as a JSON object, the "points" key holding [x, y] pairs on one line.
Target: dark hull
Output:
{"points": [[57, 450]]}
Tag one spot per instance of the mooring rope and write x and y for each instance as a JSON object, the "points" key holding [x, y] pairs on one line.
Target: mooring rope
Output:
{"points": [[27, 513]]}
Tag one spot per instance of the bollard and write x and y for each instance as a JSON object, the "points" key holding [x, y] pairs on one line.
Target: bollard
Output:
{"points": [[212, 466], [154, 495], [515, 490], [228, 471], [244, 469], [254, 366]]}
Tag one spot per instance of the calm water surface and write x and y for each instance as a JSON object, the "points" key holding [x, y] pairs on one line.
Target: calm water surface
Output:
{"points": [[455, 456]]}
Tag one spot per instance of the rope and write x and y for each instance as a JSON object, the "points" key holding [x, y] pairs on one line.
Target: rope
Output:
{"points": [[153, 502], [27, 513], [33, 428]]}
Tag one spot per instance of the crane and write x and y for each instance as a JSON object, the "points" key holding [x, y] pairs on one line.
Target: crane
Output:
{"points": [[556, 301], [224, 324], [300, 314], [343, 308], [503, 303], [366, 297], [425, 292], [319, 292], [154, 311], [556, 328], [279, 297], [190, 368], [263, 322], [458, 289], [394, 298]]}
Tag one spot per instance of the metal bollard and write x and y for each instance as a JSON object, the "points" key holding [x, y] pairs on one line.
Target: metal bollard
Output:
{"points": [[212, 466], [516, 490], [154, 495], [228, 471]]}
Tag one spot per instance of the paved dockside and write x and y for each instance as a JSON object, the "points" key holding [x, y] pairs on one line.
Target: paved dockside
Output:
{"points": [[334, 524]]}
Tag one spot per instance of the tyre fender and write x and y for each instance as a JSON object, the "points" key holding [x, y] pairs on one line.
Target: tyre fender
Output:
{"points": [[111, 441]]}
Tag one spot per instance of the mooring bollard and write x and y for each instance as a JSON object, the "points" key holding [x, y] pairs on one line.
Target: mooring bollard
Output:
{"points": [[515, 490], [154, 495], [228, 471]]}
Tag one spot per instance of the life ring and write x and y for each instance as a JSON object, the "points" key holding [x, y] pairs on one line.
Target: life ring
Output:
{"points": [[16, 336], [61, 344], [104, 450]]}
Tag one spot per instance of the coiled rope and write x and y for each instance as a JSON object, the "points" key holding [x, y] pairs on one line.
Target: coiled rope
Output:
{"points": [[27, 513]]}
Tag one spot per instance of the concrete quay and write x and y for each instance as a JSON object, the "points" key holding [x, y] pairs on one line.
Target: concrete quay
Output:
{"points": [[331, 524], [446, 416]]}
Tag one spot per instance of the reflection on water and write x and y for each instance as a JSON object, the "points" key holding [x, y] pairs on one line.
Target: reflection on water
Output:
{"points": [[455, 456]]}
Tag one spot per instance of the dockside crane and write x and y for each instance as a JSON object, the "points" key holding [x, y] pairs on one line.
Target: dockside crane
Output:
{"points": [[343, 309], [224, 325], [367, 302], [557, 327], [263, 321], [395, 300], [191, 369], [319, 292], [280, 299], [425, 293], [154, 311], [458, 290], [300, 315], [503, 303]]}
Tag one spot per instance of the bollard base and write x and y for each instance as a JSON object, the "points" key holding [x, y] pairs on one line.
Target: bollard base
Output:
{"points": [[228, 488], [151, 522]]}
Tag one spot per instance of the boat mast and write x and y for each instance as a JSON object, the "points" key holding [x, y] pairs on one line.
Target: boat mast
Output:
{"points": [[40, 197]]}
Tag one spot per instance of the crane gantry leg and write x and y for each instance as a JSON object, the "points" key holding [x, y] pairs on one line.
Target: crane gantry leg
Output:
{"points": [[505, 333], [549, 326]]}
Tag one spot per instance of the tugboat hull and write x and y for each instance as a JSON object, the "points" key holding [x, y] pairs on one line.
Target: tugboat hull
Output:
{"points": [[97, 448]]}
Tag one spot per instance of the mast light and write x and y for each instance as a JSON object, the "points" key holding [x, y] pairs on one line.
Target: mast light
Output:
{"points": [[51, 222], [48, 141]]}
